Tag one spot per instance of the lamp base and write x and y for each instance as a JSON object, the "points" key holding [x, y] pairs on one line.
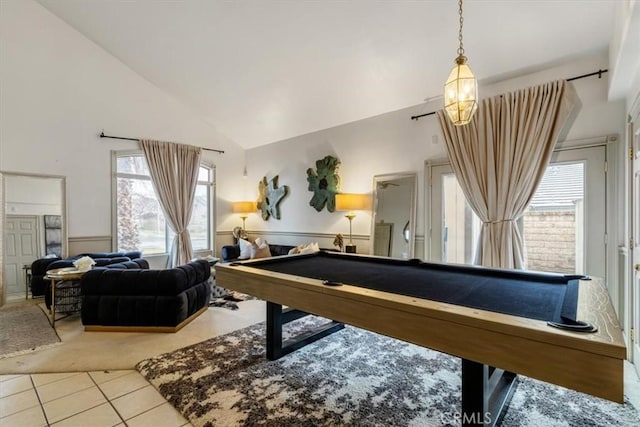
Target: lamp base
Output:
{"points": [[350, 248]]}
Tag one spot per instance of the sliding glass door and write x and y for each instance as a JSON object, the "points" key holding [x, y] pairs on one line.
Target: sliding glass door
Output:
{"points": [[563, 227]]}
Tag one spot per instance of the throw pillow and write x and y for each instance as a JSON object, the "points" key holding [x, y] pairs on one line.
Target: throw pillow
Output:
{"points": [[310, 248], [245, 249], [260, 250], [296, 250]]}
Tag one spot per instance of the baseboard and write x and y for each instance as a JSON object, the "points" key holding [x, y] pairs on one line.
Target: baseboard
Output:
{"points": [[151, 329]]}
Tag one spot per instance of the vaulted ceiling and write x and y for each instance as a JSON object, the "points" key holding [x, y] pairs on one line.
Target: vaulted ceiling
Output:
{"points": [[265, 70]]}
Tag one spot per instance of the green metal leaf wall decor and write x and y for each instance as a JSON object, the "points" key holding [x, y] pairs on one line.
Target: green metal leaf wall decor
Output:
{"points": [[270, 196], [324, 184]]}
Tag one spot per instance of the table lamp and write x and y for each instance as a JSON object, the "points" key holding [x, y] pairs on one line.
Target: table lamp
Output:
{"points": [[244, 208], [351, 202]]}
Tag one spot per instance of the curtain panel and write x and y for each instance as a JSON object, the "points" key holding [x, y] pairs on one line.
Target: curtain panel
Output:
{"points": [[174, 174], [499, 159]]}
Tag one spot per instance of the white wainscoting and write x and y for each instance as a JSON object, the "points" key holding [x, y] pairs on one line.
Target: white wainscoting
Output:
{"points": [[325, 240]]}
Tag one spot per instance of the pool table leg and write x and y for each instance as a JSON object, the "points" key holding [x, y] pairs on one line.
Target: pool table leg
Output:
{"points": [[276, 317], [486, 392]]}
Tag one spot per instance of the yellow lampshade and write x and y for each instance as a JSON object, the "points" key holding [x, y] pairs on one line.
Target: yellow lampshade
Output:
{"points": [[461, 93], [245, 207], [352, 202]]}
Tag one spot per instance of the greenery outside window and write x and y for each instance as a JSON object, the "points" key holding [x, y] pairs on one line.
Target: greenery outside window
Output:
{"points": [[139, 221]]}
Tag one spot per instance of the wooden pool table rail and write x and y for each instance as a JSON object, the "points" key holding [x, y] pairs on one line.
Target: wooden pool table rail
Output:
{"points": [[590, 363]]}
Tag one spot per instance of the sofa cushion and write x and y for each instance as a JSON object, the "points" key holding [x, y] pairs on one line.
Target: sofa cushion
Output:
{"points": [[305, 249], [260, 251], [39, 268], [230, 252], [245, 249], [94, 255], [130, 265], [140, 297], [277, 250], [101, 262]]}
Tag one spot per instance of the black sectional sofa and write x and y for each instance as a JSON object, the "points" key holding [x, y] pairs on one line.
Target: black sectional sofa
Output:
{"points": [[144, 300], [40, 286], [232, 252]]}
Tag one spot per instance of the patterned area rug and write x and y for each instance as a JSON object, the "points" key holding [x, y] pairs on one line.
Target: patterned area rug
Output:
{"points": [[230, 300], [24, 329], [350, 378]]}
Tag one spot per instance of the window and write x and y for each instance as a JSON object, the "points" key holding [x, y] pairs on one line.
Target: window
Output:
{"points": [[140, 223]]}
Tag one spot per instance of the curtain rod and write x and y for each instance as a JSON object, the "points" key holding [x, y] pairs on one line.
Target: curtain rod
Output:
{"points": [[102, 135], [595, 73]]}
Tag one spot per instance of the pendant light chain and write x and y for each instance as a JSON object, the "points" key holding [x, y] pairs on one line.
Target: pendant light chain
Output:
{"points": [[460, 49]]}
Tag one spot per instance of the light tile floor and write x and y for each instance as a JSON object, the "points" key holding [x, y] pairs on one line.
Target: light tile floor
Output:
{"points": [[78, 399]]}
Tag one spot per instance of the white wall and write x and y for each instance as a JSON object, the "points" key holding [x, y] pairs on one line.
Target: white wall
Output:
{"points": [[384, 144], [59, 90], [392, 143], [624, 52], [33, 195]]}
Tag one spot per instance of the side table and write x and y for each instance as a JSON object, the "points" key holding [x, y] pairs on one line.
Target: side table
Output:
{"points": [[65, 292], [27, 279]]}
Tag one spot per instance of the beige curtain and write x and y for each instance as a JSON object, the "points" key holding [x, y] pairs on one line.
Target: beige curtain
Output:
{"points": [[174, 173], [499, 159]]}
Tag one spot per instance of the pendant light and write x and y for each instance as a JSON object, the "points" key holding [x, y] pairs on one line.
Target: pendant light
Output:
{"points": [[461, 88]]}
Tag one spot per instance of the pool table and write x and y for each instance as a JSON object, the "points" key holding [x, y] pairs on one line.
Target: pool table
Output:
{"points": [[499, 322]]}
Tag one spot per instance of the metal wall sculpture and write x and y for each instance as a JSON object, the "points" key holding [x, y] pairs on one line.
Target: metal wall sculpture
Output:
{"points": [[324, 184], [270, 196]]}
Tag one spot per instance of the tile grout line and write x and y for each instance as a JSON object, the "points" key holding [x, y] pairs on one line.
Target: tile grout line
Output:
{"points": [[62, 397], [133, 391], [71, 374], [107, 399], [41, 404], [35, 389], [29, 408], [145, 411], [65, 395], [15, 392]]}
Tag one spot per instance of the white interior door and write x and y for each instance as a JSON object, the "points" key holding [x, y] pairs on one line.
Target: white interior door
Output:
{"points": [[21, 248], [454, 228]]}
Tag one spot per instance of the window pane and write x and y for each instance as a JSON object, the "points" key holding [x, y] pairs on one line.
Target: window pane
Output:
{"points": [[553, 222], [461, 226], [199, 225], [133, 165], [203, 174], [141, 223]]}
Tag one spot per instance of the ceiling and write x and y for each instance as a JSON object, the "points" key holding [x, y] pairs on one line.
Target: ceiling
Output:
{"points": [[265, 70]]}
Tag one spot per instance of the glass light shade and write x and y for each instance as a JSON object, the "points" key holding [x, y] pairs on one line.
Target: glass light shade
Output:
{"points": [[352, 202], [243, 207], [461, 94]]}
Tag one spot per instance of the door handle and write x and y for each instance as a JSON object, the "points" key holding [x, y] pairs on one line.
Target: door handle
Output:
{"points": [[637, 267]]}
